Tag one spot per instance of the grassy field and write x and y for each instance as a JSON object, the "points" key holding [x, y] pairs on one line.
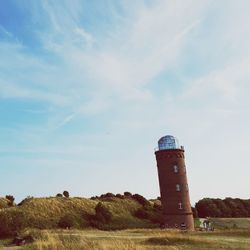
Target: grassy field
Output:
{"points": [[43, 214], [140, 239], [230, 233], [231, 223]]}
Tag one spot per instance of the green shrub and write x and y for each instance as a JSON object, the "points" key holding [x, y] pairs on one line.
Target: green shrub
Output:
{"points": [[151, 213], [102, 213], [11, 223], [67, 221], [107, 195], [102, 217], [120, 196], [128, 194], [141, 213], [140, 199], [10, 199], [66, 194]]}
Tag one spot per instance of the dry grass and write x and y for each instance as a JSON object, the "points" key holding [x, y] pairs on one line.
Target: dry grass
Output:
{"points": [[234, 223], [45, 213], [71, 241], [138, 239], [3, 203]]}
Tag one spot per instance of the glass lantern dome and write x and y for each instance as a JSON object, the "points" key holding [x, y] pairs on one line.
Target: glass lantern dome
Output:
{"points": [[168, 142]]}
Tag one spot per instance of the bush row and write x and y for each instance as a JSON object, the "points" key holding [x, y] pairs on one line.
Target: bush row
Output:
{"points": [[226, 208]]}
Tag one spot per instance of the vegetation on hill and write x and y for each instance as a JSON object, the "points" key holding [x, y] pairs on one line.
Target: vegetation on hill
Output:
{"points": [[3, 203], [106, 212], [226, 208]]}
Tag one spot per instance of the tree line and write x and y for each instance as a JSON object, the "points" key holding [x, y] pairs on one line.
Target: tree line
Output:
{"points": [[228, 207], [206, 207]]}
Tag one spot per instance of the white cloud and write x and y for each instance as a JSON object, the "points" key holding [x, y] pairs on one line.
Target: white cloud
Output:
{"points": [[112, 75], [86, 37], [228, 86], [8, 90], [126, 63]]}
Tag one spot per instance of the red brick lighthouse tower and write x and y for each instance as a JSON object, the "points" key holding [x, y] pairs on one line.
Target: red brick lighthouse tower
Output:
{"points": [[173, 184]]}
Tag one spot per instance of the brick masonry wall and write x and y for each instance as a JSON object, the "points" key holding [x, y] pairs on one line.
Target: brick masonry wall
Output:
{"points": [[175, 200]]}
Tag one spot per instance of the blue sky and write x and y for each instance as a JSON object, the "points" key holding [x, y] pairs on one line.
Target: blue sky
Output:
{"points": [[88, 87]]}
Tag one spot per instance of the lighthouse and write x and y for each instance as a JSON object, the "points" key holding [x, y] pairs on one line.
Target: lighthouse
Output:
{"points": [[173, 182]]}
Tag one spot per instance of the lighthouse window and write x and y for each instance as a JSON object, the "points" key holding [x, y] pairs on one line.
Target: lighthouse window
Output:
{"points": [[178, 187], [180, 205], [184, 168], [187, 187], [176, 169]]}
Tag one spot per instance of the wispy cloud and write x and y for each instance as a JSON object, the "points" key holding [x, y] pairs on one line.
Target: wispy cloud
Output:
{"points": [[8, 90], [123, 66], [5, 32], [119, 78], [67, 119]]}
